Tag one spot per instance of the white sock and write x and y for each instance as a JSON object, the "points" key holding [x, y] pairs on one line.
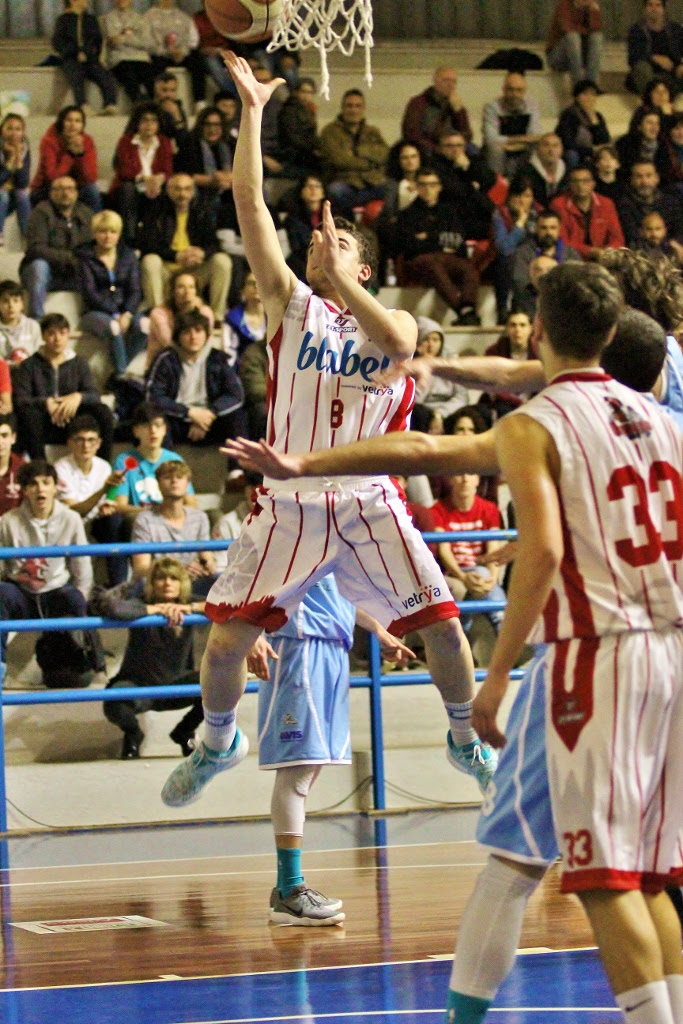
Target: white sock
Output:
{"points": [[460, 722], [489, 930], [648, 1004], [674, 984], [219, 729]]}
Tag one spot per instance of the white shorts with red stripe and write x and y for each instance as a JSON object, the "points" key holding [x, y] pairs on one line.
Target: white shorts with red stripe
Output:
{"points": [[614, 734], [356, 527]]}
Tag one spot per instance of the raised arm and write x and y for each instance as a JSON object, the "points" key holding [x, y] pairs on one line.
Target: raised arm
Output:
{"points": [[276, 281], [492, 373]]}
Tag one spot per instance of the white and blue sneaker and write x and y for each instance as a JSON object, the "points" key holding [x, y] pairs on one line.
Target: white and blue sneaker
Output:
{"points": [[304, 907], [476, 759], [185, 784]]}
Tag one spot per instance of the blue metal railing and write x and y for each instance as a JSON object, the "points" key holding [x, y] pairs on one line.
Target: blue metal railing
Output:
{"points": [[373, 682]]}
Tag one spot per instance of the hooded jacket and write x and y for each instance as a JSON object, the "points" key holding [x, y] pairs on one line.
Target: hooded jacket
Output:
{"points": [[442, 396], [19, 529]]}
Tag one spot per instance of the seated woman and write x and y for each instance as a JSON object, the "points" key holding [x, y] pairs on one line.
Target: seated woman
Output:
{"points": [[143, 163], [581, 126], [643, 141], [513, 222], [442, 397], [303, 211], [514, 343], [195, 387], [656, 96], [245, 322], [67, 149], [183, 296], [15, 170], [109, 283], [206, 156], [154, 655]]}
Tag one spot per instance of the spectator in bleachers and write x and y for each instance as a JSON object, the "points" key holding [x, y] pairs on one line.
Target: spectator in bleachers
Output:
{"points": [[211, 42], [140, 488], [466, 181], [436, 112], [671, 163], [173, 119], [513, 223], [66, 150], [581, 126], [172, 520], [195, 386], [183, 296], [207, 157], [588, 221], [229, 107], [127, 47], [109, 284], [655, 48], [656, 96], [175, 231], [430, 237], [245, 322], [303, 216], [78, 41], [654, 242], [15, 170], [546, 170], [36, 588], [297, 127], [51, 387], [403, 163], [544, 240], [642, 196], [143, 163], [253, 372], [83, 483], [514, 343], [10, 464], [56, 227], [607, 178], [174, 42], [441, 397], [511, 126], [19, 334], [270, 135], [154, 655], [642, 141], [575, 39], [354, 156]]}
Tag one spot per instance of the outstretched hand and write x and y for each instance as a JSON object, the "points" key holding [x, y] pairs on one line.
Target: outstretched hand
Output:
{"points": [[420, 369], [252, 93], [259, 457]]}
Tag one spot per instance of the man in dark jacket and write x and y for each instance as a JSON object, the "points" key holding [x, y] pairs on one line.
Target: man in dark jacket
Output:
{"points": [[178, 231], [193, 383], [431, 240], [78, 41], [55, 228], [643, 196], [466, 181], [545, 241], [655, 49], [435, 112], [298, 131]]}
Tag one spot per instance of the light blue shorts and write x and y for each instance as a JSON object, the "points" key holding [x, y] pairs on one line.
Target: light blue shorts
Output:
{"points": [[516, 817], [303, 709]]}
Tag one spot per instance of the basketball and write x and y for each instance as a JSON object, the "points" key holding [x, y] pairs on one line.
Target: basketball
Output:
{"points": [[245, 20]]}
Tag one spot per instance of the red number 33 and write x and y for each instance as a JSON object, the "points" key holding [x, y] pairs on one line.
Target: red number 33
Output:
{"points": [[579, 848], [660, 473]]}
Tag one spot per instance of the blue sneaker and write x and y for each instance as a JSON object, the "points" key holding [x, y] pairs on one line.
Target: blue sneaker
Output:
{"points": [[185, 784], [476, 759]]}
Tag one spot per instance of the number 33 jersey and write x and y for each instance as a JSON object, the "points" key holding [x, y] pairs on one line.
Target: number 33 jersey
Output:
{"points": [[621, 504], [321, 389]]}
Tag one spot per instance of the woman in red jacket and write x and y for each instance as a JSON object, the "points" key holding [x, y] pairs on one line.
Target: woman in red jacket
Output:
{"points": [[66, 148], [143, 163]]}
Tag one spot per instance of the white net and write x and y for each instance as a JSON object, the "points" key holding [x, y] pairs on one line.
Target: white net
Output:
{"points": [[325, 25]]}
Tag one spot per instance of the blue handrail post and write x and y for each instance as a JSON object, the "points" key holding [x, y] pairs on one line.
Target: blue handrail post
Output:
{"points": [[3, 788], [376, 730]]}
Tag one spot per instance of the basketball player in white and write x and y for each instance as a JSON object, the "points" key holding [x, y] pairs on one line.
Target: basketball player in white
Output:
{"points": [[326, 342]]}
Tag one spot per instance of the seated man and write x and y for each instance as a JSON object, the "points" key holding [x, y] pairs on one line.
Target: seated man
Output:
{"points": [[575, 39], [429, 234], [466, 181], [172, 117], [176, 231], [546, 170], [436, 112], [588, 221], [10, 464], [47, 588], [544, 241], [643, 196], [173, 520], [56, 227], [511, 126], [655, 49], [56, 370], [354, 157]]}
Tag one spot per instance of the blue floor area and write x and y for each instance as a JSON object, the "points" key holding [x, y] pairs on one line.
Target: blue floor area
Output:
{"points": [[561, 988]]}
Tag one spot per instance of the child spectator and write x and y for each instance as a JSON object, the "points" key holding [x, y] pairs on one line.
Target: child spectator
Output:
{"points": [[183, 296], [653, 239], [127, 43], [66, 150], [19, 334], [51, 387], [143, 163], [78, 41], [245, 322], [10, 464], [442, 397], [15, 168], [607, 179], [140, 487]]}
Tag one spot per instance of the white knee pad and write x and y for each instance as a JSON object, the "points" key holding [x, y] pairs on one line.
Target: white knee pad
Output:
{"points": [[288, 803]]}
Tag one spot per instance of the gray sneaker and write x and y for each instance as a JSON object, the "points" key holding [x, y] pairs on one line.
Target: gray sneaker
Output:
{"points": [[476, 759], [304, 907], [185, 784]]}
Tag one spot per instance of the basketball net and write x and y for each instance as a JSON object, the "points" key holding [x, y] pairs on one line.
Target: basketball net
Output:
{"points": [[325, 25]]}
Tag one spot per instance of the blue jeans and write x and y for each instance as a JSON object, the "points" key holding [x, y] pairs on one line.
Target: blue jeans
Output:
{"points": [[577, 54], [495, 594], [122, 347], [15, 199], [38, 278]]}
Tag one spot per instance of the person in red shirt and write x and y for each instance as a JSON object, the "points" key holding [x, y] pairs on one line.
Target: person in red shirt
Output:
{"points": [[588, 220], [463, 509], [575, 39], [67, 149], [10, 463]]}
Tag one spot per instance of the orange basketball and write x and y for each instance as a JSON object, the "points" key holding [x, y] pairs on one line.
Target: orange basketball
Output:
{"points": [[245, 20]]}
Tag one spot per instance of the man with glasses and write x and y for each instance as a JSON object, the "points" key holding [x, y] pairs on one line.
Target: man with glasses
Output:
{"points": [[430, 234], [55, 228], [466, 180], [588, 221]]}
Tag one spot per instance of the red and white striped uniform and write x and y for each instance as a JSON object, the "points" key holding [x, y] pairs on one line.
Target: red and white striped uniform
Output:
{"points": [[321, 394], [614, 625]]}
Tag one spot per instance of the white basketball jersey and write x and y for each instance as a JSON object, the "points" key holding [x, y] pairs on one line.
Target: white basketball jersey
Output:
{"points": [[321, 391], [621, 495]]}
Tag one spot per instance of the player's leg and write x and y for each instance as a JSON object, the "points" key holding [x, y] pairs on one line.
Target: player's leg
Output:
{"points": [[667, 922]]}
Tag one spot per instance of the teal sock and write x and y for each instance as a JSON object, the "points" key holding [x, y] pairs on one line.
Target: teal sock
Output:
{"points": [[288, 870], [462, 1009]]}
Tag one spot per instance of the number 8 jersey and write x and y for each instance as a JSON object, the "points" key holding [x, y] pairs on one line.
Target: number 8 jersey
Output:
{"points": [[321, 389], [621, 498]]}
